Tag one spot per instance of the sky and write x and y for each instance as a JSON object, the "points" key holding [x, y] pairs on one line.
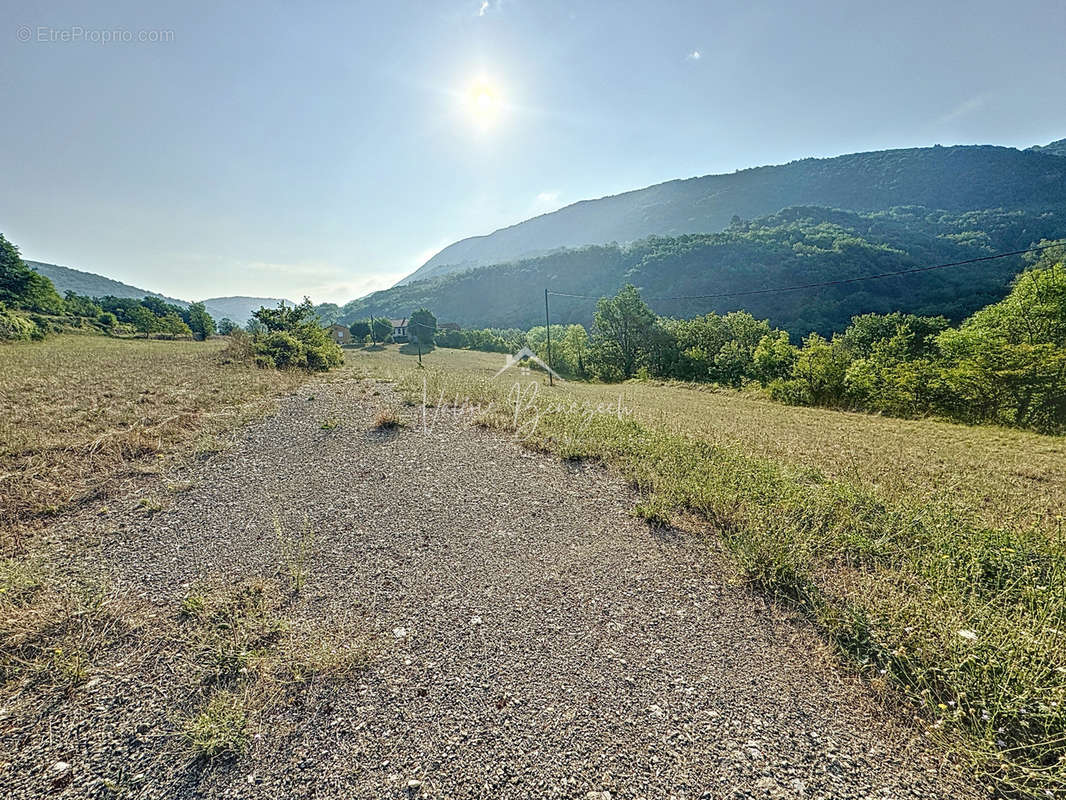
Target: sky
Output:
{"points": [[283, 149]]}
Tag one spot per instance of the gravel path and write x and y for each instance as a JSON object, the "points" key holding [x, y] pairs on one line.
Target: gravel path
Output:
{"points": [[530, 638]]}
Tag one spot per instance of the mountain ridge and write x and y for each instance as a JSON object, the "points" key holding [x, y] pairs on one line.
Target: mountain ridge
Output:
{"points": [[980, 176], [92, 284]]}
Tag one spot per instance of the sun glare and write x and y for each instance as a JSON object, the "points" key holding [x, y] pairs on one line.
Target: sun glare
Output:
{"points": [[482, 102]]}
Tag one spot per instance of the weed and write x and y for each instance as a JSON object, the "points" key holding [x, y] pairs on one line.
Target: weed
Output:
{"points": [[294, 552], [329, 424], [51, 636], [387, 420], [149, 505], [220, 730], [193, 605]]}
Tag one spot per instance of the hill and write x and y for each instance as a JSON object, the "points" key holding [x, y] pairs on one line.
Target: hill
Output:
{"points": [[89, 284], [238, 309], [797, 245], [953, 179], [1056, 148]]}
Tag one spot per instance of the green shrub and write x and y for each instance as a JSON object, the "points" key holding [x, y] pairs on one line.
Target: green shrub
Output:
{"points": [[791, 392], [17, 327], [294, 340]]}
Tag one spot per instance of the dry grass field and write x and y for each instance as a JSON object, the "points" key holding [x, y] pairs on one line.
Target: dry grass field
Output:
{"points": [[82, 415]]}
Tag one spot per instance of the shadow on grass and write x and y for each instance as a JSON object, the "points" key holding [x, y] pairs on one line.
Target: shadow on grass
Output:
{"points": [[411, 349]]}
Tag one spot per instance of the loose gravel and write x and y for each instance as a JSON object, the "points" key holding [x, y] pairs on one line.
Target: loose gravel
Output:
{"points": [[529, 637]]}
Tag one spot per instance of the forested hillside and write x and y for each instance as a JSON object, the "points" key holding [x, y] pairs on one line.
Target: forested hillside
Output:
{"points": [[89, 284], [798, 245], [955, 179]]}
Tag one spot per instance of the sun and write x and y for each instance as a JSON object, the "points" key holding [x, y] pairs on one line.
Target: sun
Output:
{"points": [[482, 102]]}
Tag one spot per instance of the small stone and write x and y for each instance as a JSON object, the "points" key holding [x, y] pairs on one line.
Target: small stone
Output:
{"points": [[475, 620], [399, 633], [60, 767], [414, 785]]}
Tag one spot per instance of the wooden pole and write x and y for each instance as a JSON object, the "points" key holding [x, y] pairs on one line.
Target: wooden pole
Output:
{"points": [[548, 326]]}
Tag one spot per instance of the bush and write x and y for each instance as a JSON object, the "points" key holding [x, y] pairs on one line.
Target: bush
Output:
{"points": [[792, 392], [294, 340], [18, 328]]}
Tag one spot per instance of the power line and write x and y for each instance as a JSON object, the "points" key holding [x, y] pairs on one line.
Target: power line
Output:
{"points": [[838, 282]]}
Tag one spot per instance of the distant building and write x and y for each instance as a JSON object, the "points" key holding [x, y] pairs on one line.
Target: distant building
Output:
{"points": [[340, 334], [399, 329], [448, 326]]}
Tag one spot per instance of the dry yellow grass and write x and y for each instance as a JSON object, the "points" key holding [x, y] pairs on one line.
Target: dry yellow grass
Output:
{"points": [[1008, 477], [83, 413]]}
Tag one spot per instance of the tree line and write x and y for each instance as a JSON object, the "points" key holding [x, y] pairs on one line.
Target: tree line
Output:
{"points": [[30, 308], [1004, 364]]}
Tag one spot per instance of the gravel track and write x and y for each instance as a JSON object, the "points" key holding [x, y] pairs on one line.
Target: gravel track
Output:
{"points": [[529, 637]]}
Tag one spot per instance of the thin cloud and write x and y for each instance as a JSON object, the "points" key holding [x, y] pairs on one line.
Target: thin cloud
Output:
{"points": [[484, 8], [965, 108], [694, 56]]}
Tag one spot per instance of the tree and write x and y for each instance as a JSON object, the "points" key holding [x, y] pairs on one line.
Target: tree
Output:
{"points": [[172, 326], [22, 287], [625, 329], [226, 326], [285, 317], [422, 325], [773, 357], [143, 320], [821, 367], [380, 329], [200, 322], [359, 329], [328, 313]]}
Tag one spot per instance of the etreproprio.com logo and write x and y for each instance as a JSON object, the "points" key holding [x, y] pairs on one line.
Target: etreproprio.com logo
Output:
{"points": [[78, 33]]}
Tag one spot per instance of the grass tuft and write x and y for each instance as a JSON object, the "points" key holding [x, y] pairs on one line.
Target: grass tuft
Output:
{"points": [[387, 420], [219, 731]]}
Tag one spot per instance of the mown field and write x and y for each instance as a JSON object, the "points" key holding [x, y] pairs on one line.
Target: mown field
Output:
{"points": [[930, 553], [82, 415]]}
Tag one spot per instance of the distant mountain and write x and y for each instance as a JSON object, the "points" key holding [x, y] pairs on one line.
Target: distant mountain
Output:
{"points": [[797, 246], [1057, 148], [952, 179], [238, 309]]}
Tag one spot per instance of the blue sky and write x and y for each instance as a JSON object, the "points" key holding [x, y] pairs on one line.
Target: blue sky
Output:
{"points": [[283, 149]]}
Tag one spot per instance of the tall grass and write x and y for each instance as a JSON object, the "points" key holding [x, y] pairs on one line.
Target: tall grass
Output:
{"points": [[963, 618]]}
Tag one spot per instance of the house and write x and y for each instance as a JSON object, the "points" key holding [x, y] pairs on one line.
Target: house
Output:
{"points": [[448, 326], [339, 333], [399, 329]]}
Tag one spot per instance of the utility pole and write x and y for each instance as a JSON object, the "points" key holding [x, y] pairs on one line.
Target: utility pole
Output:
{"points": [[548, 327]]}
